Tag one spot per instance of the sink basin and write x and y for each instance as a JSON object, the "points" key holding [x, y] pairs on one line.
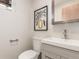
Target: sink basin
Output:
{"points": [[65, 43]]}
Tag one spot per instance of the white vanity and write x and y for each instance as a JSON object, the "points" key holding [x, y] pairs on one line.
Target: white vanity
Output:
{"points": [[55, 48]]}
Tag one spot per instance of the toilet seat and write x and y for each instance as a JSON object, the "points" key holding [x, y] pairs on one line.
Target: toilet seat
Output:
{"points": [[30, 54]]}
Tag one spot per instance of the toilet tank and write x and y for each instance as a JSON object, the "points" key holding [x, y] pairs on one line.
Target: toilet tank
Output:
{"points": [[37, 43]]}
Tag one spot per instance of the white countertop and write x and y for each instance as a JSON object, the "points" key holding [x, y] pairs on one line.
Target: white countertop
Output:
{"points": [[68, 43]]}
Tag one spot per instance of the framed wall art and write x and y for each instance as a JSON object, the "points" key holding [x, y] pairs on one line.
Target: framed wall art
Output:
{"points": [[41, 19]]}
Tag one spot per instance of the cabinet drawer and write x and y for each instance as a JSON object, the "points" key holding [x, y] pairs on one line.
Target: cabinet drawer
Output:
{"points": [[51, 55], [63, 57], [70, 54]]}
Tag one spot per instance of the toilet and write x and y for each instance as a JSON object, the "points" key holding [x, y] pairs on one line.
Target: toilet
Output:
{"points": [[32, 54]]}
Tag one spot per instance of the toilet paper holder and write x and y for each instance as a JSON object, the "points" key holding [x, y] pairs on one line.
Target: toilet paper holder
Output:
{"points": [[16, 40]]}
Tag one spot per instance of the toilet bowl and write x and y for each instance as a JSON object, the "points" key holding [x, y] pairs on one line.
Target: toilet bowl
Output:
{"points": [[32, 54]]}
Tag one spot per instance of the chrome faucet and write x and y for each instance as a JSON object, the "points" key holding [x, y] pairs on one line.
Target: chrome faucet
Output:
{"points": [[65, 34]]}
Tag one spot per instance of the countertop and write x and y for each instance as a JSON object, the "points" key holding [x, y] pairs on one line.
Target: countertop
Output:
{"points": [[64, 43]]}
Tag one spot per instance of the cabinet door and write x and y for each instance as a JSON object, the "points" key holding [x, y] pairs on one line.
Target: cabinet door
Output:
{"points": [[63, 57], [49, 55]]}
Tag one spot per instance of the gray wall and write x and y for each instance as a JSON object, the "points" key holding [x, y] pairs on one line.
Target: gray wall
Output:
{"points": [[55, 30], [15, 24]]}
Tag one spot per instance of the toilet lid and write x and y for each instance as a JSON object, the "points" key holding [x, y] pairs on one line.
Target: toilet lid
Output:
{"points": [[30, 54]]}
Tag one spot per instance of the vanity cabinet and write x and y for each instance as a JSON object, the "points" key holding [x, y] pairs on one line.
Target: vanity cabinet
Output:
{"points": [[54, 52]]}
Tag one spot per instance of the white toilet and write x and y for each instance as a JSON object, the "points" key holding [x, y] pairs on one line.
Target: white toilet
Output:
{"points": [[32, 54]]}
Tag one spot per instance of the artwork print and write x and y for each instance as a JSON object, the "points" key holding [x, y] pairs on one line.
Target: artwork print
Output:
{"points": [[41, 19]]}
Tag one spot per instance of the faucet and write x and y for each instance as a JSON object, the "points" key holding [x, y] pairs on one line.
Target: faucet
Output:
{"points": [[65, 34]]}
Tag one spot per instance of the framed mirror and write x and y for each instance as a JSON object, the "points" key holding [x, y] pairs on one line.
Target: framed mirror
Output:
{"points": [[65, 11]]}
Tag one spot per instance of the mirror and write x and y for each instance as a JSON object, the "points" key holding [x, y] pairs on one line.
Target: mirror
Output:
{"points": [[66, 11]]}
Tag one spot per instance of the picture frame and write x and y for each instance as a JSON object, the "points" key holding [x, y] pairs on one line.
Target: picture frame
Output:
{"points": [[41, 19]]}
